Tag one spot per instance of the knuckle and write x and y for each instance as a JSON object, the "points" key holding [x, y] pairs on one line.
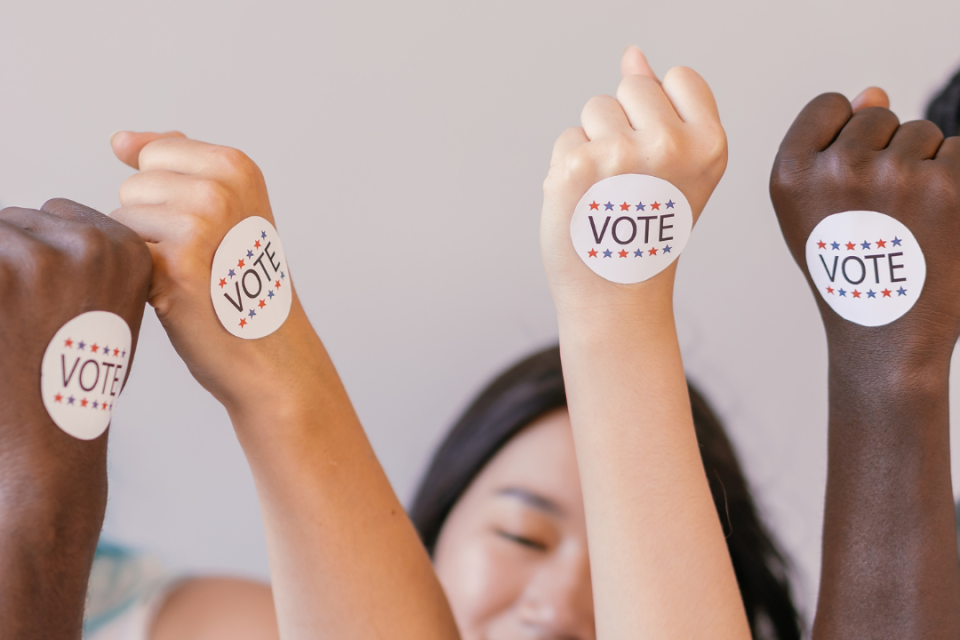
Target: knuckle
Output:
{"points": [[213, 197], [236, 164], [579, 165]]}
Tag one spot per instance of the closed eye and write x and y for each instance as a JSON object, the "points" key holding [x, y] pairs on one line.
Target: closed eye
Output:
{"points": [[526, 542]]}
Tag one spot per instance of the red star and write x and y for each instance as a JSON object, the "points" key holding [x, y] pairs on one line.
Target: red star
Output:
{"points": [[886, 293], [594, 206], [83, 402], [223, 282], [653, 251], [243, 322], [262, 304], [655, 205], [68, 342], [624, 207], [856, 294], [881, 244], [58, 397], [116, 352], [829, 289], [850, 246], [104, 405], [278, 284], [94, 347], [240, 263], [593, 253], [256, 245], [822, 244], [623, 253]]}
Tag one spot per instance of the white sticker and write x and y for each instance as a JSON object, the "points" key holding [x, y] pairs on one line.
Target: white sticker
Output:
{"points": [[866, 265], [83, 371], [249, 281], [631, 227]]}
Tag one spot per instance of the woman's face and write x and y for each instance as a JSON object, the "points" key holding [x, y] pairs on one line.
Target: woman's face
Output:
{"points": [[512, 555]]}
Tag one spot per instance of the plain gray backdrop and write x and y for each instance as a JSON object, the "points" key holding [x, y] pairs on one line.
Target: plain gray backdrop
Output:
{"points": [[404, 145]]}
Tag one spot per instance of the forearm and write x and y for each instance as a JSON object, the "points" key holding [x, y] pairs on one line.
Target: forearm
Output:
{"points": [[659, 562], [890, 567], [345, 559]]}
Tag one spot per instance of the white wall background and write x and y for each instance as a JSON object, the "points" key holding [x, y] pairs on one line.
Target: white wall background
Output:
{"points": [[404, 144]]}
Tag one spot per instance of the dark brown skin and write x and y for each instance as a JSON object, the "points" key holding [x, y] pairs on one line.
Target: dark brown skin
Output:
{"points": [[889, 542], [54, 265]]}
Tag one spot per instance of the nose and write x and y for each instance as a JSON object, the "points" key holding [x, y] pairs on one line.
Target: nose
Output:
{"points": [[557, 603]]}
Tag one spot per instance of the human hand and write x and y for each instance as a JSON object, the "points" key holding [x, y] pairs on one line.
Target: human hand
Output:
{"points": [[55, 264], [835, 159], [185, 199], [669, 130]]}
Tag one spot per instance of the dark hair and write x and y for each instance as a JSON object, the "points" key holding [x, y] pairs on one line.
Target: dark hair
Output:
{"points": [[534, 387], [944, 109]]}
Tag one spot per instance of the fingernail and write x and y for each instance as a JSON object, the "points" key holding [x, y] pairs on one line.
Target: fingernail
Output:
{"points": [[113, 135], [628, 47]]}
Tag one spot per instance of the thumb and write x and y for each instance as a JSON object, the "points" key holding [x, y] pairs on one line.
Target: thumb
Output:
{"points": [[128, 144], [870, 97], [634, 63]]}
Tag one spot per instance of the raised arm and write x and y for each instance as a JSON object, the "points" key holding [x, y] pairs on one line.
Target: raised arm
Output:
{"points": [[345, 561], [56, 265], [870, 210], [659, 563]]}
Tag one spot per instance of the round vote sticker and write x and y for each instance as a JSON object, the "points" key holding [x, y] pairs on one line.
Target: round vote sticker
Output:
{"points": [[631, 227], [866, 265], [83, 370], [250, 281]]}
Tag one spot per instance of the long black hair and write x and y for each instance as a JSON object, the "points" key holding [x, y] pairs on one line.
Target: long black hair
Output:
{"points": [[534, 387], [944, 109]]}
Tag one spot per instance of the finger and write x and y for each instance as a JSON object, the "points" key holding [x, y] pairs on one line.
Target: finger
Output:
{"points": [[645, 103], [634, 63], [33, 221], [870, 97], [949, 152], [154, 223], [568, 140], [690, 95], [870, 128], [918, 139], [816, 127], [127, 145], [182, 155], [603, 115], [157, 187]]}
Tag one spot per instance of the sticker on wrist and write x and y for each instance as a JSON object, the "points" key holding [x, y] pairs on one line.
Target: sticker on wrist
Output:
{"points": [[630, 227], [250, 281], [83, 371], [866, 265]]}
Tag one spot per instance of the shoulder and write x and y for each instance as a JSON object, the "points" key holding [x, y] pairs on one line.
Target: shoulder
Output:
{"points": [[217, 609]]}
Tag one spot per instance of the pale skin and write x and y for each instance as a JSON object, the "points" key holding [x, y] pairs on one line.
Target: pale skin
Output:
{"points": [[659, 562], [344, 558]]}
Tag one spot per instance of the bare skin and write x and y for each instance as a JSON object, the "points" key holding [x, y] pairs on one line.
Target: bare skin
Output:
{"points": [[660, 565], [55, 264], [889, 546]]}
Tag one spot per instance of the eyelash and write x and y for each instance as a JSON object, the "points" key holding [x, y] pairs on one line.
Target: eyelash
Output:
{"points": [[526, 542]]}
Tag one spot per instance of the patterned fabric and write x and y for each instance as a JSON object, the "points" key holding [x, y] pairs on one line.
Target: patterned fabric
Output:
{"points": [[125, 592]]}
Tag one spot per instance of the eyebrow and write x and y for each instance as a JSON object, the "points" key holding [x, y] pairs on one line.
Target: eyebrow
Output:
{"points": [[532, 500]]}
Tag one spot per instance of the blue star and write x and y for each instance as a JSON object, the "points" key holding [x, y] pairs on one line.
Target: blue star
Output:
{"points": [[865, 244], [282, 275], [106, 349], [95, 405], [901, 291], [123, 354], [249, 253], [231, 273], [70, 400], [607, 253], [263, 235], [81, 345], [871, 294], [638, 253], [608, 206], [270, 294], [843, 293], [896, 241], [252, 313], [834, 245], [670, 204], [640, 206], [666, 249]]}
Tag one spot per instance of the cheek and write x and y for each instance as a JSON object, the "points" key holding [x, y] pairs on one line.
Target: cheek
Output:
{"points": [[481, 578]]}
